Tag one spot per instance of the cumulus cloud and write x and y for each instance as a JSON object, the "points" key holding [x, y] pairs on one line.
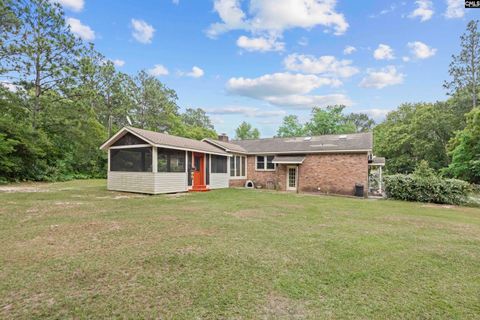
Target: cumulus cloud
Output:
{"points": [[81, 30], [349, 50], [382, 78], [277, 84], [158, 70], [327, 65], [376, 114], [287, 90], [383, 52], [420, 50], [261, 44], [118, 62], [74, 5], [455, 9], [142, 31], [274, 17], [195, 73], [246, 111], [424, 10]]}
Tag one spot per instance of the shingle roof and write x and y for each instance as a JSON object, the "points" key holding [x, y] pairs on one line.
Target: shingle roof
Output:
{"points": [[164, 139], [326, 143], [227, 146]]}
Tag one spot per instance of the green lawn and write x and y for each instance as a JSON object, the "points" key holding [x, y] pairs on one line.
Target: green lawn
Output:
{"points": [[75, 250]]}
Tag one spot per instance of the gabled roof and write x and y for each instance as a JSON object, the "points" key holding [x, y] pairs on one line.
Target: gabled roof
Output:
{"points": [[227, 146], [164, 140], [356, 142]]}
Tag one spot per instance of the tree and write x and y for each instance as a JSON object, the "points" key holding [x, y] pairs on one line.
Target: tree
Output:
{"points": [[329, 120], [465, 67], [361, 121], [291, 127], [43, 53], [246, 131], [465, 150], [155, 105], [412, 133], [197, 118]]}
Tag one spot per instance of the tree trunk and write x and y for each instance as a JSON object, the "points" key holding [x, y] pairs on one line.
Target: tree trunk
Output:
{"points": [[38, 92]]}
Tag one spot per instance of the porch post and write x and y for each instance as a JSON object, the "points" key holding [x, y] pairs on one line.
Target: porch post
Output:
{"points": [[154, 160], [380, 178], [108, 159]]}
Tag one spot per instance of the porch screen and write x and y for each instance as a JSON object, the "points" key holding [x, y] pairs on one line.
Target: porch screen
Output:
{"points": [[131, 159], [170, 160], [219, 164]]}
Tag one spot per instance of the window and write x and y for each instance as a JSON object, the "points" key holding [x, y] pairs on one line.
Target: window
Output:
{"points": [[219, 164], [238, 166], [131, 159], [265, 163], [171, 160]]}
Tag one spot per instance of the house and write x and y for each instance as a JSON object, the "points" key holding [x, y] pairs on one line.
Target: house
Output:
{"points": [[152, 162]]}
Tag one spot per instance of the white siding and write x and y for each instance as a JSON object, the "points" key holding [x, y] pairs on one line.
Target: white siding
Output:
{"points": [[147, 182], [166, 182], [141, 182], [219, 180]]}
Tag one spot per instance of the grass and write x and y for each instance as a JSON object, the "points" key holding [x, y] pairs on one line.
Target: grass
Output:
{"points": [[79, 251]]}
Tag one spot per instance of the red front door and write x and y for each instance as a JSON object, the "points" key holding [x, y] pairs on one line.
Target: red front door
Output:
{"points": [[198, 174]]}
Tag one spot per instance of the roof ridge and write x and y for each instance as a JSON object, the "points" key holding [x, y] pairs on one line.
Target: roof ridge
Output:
{"points": [[311, 136]]}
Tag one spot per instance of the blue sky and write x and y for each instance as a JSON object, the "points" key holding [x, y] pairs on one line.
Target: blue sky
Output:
{"points": [[259, 60]]}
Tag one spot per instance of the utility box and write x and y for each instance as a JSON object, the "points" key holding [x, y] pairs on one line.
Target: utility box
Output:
{"points": [[359, 190]]}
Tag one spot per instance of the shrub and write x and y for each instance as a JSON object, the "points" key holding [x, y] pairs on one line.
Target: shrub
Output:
{"points": [[411, 187]]}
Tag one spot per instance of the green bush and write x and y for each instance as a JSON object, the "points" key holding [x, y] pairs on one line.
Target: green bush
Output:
{"points": [[411, 187]]}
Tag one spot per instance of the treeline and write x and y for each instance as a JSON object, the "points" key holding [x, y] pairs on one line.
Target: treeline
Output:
{"points": [[60, 98]]}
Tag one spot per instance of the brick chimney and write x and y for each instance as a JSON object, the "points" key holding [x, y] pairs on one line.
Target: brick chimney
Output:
{"points": [[223, 137]]}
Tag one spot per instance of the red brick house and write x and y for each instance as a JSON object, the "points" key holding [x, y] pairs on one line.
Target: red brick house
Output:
{"points": [[327, 164], [152, 162]]}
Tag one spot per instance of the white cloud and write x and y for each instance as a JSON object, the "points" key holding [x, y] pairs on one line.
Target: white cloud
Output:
{"points": [[383, 52], [390, 9], [287, 90], [261, 44], [384, 77], [246, 111], [455, 9], [420, 50], [142, 31], [273, 17], [309, 101], [405, 59], [277, 84], [424, 10], [327, 65], [158, 70], [74, 5], [349, 50], [118, 62], [10, 86], [81, 30], [175, 2], [195, 73]]}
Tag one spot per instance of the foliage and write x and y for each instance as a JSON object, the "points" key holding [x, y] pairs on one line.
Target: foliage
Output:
{"points": [[415, 132], [423, 170], [246, 131], [465, 150], [361, 121], [465, 67], [291, 127], [329, 120], [414, 187], [67, 98]]}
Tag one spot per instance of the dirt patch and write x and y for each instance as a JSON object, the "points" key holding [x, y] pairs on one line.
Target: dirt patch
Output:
{"points": [[439, 206], [280, 307], [12, 189], [246, 213], [189, 250]]}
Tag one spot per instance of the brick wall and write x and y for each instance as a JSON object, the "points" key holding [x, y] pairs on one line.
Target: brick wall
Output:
{"points": [[333, 173]]}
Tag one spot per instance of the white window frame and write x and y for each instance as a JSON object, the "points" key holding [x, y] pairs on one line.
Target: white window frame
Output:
{"points": [[265, 162], [234, 177]]}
